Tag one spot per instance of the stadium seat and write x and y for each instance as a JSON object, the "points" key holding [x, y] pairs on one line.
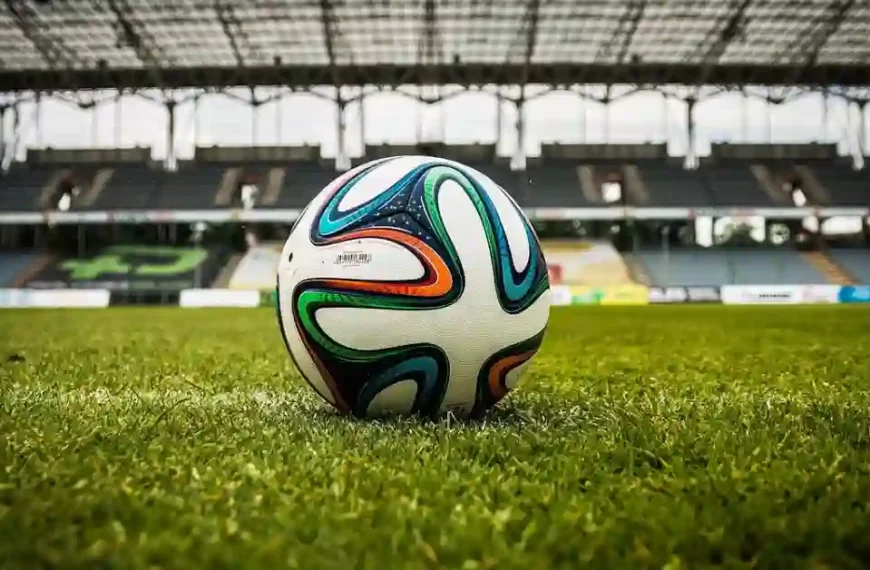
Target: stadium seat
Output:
{"points": [[21, 188], [192, 187], [12, 265], [670, 185], [855, 261], [733, 184], [844, 185], [302, 182], [130, 187], [712, 267]]}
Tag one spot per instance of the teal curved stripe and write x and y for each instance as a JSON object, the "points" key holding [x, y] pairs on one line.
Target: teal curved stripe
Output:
{"points": [[332, 221], [513, 289], [426, 365], [493, 228]]}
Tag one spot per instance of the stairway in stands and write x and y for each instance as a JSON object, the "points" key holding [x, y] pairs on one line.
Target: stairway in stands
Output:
{"points": [[832, 271], [636, 269]]}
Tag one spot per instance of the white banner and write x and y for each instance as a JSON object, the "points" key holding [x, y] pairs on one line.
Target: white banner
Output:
{"points": [[668, 295], [194, 298], [54, 298], [819, 294], [560, 295], [779, 294]]}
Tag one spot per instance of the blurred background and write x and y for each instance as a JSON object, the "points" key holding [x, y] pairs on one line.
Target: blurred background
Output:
{"points": [[662, 148]]}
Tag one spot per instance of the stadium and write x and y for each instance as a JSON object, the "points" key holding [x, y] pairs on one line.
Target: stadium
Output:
{"points": [[682, 162]]}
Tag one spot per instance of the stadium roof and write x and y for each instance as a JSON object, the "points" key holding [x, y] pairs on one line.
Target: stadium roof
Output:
{"points": [[84, 44]]}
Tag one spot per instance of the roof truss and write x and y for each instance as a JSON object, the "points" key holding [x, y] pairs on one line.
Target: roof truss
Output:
{"points": [[300, 43]]}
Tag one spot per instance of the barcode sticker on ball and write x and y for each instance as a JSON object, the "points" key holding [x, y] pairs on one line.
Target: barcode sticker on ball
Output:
{"points": [[353, 258]]}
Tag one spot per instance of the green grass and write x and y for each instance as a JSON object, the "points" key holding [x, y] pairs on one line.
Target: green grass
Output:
{"points": [[657, 437]]}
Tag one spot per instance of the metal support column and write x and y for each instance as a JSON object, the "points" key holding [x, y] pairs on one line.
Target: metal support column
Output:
{"points": [[691, 160], [362, 123], [255, 113], [95, 125], [38, 119], [279, 120], [119, 110], [666, 127], [340, 150], [520, 153], [864, 133], [3, 108], [170, 133], [196, 99], [498, 119]]}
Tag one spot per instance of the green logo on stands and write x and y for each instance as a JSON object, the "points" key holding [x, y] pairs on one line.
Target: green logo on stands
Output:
{"points": [[147, 261]]}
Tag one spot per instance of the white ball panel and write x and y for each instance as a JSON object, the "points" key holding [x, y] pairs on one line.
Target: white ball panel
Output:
{"points": [[396, 398], [514, 226], [372, 329]]}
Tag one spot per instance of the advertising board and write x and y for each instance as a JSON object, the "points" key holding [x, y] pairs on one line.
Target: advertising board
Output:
{"points": [[779, 294], [133, 268], [53, 299], [854, 294], [703, 294], [196, 298], [612, 295], [659, 295], [560, 295]]}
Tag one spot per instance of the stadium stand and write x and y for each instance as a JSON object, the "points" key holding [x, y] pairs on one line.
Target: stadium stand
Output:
{"points": [[12, 265], [842, 185], [22, 187], [127, 187], [712, 267], [733, 184], [134, 268], [856, 262], [585, 262], [670, 185], [257, 269], [555, 184], [193, 186], [302, 182]]}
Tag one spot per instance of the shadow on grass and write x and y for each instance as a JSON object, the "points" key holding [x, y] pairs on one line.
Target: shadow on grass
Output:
{"points": [[502, 416]]}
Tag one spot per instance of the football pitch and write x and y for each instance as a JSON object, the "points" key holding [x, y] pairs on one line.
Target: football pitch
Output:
{"points": [[649, 437]]}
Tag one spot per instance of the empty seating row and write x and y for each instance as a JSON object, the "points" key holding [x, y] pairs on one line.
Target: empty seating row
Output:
{"points": [[733, 267], [12, 265], [856, 262], [558, 183]]}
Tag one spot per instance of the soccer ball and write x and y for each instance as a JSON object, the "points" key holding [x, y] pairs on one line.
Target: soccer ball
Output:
{"points": [[412, 285]]}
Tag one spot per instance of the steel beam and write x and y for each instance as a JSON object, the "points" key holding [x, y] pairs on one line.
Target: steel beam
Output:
{"points": [[804, 50], [144, 45], [467, 75], [328, 22], [430, 50], [53, 50], [723, 33], [625, 30], [227, 18]]}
